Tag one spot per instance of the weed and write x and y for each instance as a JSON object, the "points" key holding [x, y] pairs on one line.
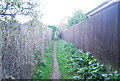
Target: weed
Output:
{"points": [[45, 65], [81, 65]]}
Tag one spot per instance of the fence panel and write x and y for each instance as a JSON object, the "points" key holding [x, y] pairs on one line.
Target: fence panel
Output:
{"points": [[98, 35]]}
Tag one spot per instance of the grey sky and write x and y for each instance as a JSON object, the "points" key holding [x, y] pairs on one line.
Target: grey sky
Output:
{"points": [[56, 10]]}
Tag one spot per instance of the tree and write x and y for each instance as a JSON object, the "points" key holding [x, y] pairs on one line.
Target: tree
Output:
{"points": [[77, 17], [12, 8]]}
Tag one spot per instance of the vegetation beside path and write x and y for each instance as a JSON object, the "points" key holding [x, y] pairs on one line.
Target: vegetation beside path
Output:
{"points": [[62, 60], [45, 67], [75, 64]]}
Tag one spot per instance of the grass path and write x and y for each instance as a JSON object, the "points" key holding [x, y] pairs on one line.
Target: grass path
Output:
{"points": [[56, 74], [62, 60]]}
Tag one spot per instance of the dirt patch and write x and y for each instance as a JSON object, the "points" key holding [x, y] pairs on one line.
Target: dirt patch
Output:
{"points": [[56, 74]]}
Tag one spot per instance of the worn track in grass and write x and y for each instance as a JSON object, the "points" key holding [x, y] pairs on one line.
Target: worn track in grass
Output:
{"points": [[56, 73]]}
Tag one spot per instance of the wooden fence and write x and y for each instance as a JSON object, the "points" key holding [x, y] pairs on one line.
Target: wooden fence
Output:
{"points": [[99, 35]]}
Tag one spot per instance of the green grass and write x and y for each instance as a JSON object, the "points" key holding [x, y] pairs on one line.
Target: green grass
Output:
{"points": [[73, 64], [45, 68], [62, 60]]}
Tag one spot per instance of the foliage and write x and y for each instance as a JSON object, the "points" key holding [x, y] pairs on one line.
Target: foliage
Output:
{"points": [[11, 8], [39, 60], [77, 17], [38, 74], [83, 65], [62, 60], [55, 32], [37, 55], [45, 66]]}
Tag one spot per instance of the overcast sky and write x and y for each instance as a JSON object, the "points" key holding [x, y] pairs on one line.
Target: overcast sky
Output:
{"points": [[55, 10]]}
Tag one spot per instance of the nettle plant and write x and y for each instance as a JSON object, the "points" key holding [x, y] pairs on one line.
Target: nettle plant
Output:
{"points": [[84, 66]]}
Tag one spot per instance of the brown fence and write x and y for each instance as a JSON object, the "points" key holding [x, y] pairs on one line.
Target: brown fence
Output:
{"points": [[99, 35]]}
